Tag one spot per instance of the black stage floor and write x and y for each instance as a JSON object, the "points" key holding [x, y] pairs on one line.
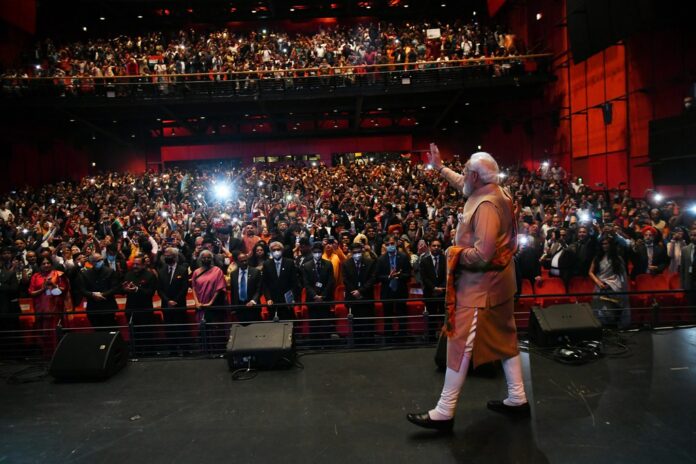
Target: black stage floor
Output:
{"points": [[350, 408]]}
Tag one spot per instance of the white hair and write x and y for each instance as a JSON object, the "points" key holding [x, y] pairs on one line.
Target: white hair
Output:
{"points": [[486, 167]]}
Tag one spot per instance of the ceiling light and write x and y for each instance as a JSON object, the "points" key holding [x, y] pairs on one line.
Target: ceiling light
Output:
{"points": [[423, 107], [379, 109], [101, 18], [94, 164], [292, 9], [84, 28], [140, 16], [538, 16]]}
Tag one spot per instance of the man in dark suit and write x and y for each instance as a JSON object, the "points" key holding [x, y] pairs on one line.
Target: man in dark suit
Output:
{"points": [[687, 270], [99, 286], [172, 286], [280, 283], [433, 271], [585, 249], [140, 285], [649, 255], [246, 290], [9, 300], [359, 281], [318, 281], [394, 272]]}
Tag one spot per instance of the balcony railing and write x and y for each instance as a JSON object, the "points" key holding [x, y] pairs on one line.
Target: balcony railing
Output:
{"points": [[283, 82]]}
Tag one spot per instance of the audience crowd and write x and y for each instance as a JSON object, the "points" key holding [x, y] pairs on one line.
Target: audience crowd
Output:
{"points": [[280, 235], [348, 48]]}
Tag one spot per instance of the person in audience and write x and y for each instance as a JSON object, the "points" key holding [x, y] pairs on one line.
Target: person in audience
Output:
{"points": [[394, 272], [98, 286], [172, 288], [675, 246], [9, 300], [245, 283], [280, 283], [258, 256], [608, 272], [584, 250], [140, 285], [433, 272], [359, 277], [687, 270], [50, 290], [210, 297], [319, 285], [648, 254]]}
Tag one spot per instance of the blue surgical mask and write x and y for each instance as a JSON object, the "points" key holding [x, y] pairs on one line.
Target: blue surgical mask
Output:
{"points": [[391, 248], [99, 264], [277, 254]]}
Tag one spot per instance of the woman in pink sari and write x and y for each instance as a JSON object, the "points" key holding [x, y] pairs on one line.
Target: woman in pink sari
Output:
{"points": [[210, 295], [50, 290]]}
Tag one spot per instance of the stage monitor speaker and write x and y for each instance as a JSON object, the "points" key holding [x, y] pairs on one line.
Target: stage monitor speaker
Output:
{"points": [[264, 345], [83, 357], [563, 323]]}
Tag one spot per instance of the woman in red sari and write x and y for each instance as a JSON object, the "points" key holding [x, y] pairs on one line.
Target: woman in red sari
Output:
{"points": [[50, 290]]}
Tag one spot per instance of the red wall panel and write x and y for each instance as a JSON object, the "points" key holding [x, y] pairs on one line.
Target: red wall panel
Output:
{"points": [[325, 147]]}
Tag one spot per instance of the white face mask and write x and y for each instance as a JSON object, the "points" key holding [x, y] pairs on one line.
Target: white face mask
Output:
{"points": [[277, 254], [317, 256]]}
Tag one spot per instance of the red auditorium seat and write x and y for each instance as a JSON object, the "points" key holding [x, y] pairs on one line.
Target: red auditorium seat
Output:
{"points": [[641, 304], [675, 284], [379, 309], [523, 306], [551, 286], [341, 311], [78, 317], [580, 284], [414, 309]]}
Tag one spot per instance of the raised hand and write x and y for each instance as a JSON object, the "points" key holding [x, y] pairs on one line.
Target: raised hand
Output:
{"points": [[435, 159]]}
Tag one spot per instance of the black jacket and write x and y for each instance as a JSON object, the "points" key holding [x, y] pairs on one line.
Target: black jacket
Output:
{"points": [[175, 288], [363, 281], [319, 283], [430, 278], [274, 286], [102, 280], [147, 285], [253, 285], [639, 258]]}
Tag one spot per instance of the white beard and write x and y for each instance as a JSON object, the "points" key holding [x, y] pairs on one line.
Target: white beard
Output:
{"points": [[467, 190]]}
